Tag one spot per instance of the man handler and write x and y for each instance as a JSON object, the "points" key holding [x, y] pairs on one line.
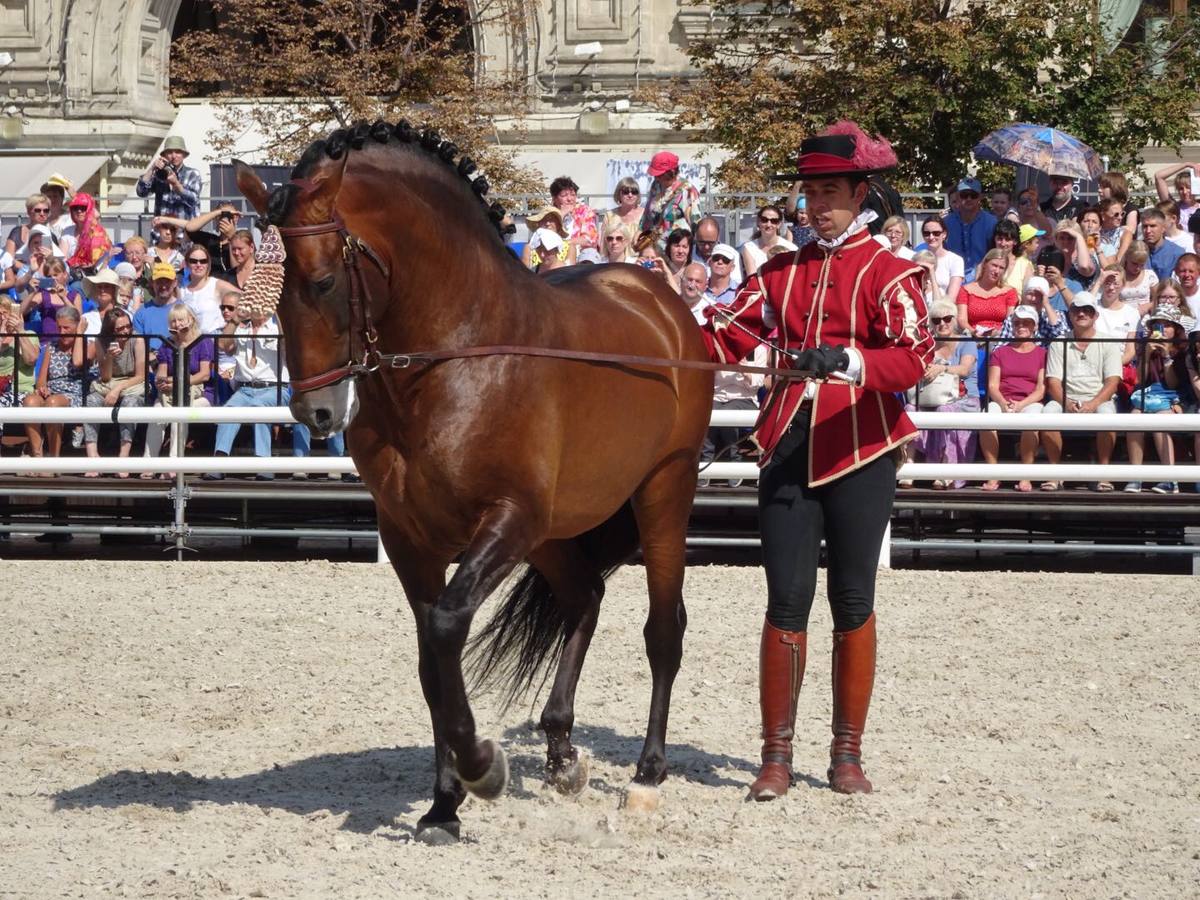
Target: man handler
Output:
{"points": [[853, 315]]}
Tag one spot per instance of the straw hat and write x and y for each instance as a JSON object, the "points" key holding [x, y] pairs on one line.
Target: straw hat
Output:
{"points": [[104, 276], [57, 181], [534, 219]]}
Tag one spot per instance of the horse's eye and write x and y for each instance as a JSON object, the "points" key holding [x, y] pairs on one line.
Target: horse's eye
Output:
{"points": [[325, 285]]}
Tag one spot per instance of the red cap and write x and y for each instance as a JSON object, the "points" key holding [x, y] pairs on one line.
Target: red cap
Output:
{"points": [[663, 161]]}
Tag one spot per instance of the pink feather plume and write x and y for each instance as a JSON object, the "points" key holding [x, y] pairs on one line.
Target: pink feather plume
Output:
{"points": [[869, 152]]}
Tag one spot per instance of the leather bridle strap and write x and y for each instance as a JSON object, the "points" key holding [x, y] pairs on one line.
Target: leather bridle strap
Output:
{"points": [[364, 357], [428, 357]]}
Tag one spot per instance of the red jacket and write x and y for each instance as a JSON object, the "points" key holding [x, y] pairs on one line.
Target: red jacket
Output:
{"points": [[860, 296]]}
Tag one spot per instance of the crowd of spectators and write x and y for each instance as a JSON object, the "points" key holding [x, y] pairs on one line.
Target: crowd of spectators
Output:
{"points": [[157, 320], [1046, 304], [1036, 304]]}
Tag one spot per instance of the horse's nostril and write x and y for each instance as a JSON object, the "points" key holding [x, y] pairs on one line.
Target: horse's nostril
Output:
{"points": [[322, 419]]}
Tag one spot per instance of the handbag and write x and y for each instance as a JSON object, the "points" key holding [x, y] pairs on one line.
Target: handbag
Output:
{"points": [[1154, 398], [945, 388]]}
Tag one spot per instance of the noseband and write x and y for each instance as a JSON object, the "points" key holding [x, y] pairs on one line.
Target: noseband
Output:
{"points": [[364, 354]]}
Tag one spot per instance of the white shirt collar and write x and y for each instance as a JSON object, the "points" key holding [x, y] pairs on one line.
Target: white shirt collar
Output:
{"points": [[860, 222]]}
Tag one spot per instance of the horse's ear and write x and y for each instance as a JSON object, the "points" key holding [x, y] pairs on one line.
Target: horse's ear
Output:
{"points": [[323, 184], [251, 186]]}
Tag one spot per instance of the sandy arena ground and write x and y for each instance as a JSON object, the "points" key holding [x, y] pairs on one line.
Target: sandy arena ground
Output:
{"points": [[203, 729]]}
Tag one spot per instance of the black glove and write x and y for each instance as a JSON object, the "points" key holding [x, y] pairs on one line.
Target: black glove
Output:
{"points": [[821, 361]]}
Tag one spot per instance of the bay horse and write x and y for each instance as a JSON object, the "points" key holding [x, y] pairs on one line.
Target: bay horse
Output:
{"points": [[498, 459]]}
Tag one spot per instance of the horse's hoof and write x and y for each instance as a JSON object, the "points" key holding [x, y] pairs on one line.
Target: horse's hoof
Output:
{"points": [[641, 798], [572, 778], [490, 784], [437, 834]]}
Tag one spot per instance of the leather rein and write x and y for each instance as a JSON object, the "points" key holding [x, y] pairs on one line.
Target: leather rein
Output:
{"points": [[365, 357]]}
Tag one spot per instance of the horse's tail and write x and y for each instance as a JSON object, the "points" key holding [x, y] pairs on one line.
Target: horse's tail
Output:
{"points": [[526, 635]]}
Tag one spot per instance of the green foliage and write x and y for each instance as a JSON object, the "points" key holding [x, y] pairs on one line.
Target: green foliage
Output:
{"points": [[933, 76]]}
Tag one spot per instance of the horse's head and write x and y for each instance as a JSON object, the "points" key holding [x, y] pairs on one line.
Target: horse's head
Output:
{"points": [[321, 335]]}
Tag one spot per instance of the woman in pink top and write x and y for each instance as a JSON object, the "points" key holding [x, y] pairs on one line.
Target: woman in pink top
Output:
{"points": [[1016, 383], [984, 303]]}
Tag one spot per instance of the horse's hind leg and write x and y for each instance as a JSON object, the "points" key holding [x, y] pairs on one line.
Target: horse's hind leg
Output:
{"points": [[501, 541], [578, 587], [662, 505]]}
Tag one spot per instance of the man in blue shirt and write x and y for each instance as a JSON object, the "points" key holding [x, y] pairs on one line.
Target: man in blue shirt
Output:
{"points": [[969, 228], [151, 317], [1163, 253]]}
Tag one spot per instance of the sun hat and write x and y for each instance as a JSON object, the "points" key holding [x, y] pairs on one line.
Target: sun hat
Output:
{"points": [[47, 243], [1164, 312], [1028, 232], [104, 276], [534, 219], [1025, 312], [174, 142], [162, 270], [545, 239], [1084, 300], [662, 161], [723, 250], [125, 270], [1037, 283], [57, 181]]}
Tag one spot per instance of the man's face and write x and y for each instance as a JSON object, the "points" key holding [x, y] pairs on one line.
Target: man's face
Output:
{"points": [[1083, 319], [56, 196], [968, 202], [1152, 230], [721, 267], [164, 289], [1001, 201], [1187, 273], [174, 158], [1061, 187], [706, 238], [693, 283], [832, 204]]}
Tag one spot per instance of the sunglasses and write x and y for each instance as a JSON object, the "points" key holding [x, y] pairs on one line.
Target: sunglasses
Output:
{"points": [[720, 259], [197, 262], [40, 209], [125, 330], [225, 306], [931, 233], [770, 220], [615, 238], [968, 195], [77, 208], [632, 192], [942, 320]]}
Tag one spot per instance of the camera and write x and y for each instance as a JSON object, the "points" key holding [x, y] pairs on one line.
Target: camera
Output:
{"points": [[1052, 256], [646, 263], [46, 282], [161, 174]]}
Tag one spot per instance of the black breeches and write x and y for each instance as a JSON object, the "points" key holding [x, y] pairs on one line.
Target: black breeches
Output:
{"points": [[850, 513]]}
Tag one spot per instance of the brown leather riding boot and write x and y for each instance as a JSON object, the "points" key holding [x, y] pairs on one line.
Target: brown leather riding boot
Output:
{"points": [[853, 679], [780, 674]]}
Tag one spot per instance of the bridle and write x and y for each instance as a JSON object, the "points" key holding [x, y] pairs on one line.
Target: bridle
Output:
{"points": [[364, 339], [364, 353]]}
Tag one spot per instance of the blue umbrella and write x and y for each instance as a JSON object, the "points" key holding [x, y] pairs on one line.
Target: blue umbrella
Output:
{"points": [[1042, 148]]}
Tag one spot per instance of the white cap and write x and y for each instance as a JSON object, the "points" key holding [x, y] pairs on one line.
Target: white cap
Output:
{"points": [[547, 240], [48, 243], [125, 270], [1084, 299], [588, 255], [1037, 283], [1025, 312], [723, 250]]}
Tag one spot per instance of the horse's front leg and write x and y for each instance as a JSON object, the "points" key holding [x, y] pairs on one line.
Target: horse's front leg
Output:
{"points": [[502, 539], [423, 580]]}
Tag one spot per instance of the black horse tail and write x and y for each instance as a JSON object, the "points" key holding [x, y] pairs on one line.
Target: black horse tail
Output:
{"points": [[525, 637]]}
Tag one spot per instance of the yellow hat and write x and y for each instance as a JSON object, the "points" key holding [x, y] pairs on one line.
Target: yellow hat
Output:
{"points": [[162, 270], [57, 181]]}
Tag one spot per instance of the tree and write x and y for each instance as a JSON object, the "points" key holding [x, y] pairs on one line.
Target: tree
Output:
{"points": [[295, 70], [933, 76]]}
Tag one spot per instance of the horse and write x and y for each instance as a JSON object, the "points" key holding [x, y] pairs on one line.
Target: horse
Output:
{"points": [[499, 459]]}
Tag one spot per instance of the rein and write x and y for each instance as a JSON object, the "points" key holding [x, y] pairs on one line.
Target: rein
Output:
{"points": [[369, 359]]}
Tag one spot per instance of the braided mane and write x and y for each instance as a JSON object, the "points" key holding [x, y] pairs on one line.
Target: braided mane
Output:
{"points": [[341, 141]]}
